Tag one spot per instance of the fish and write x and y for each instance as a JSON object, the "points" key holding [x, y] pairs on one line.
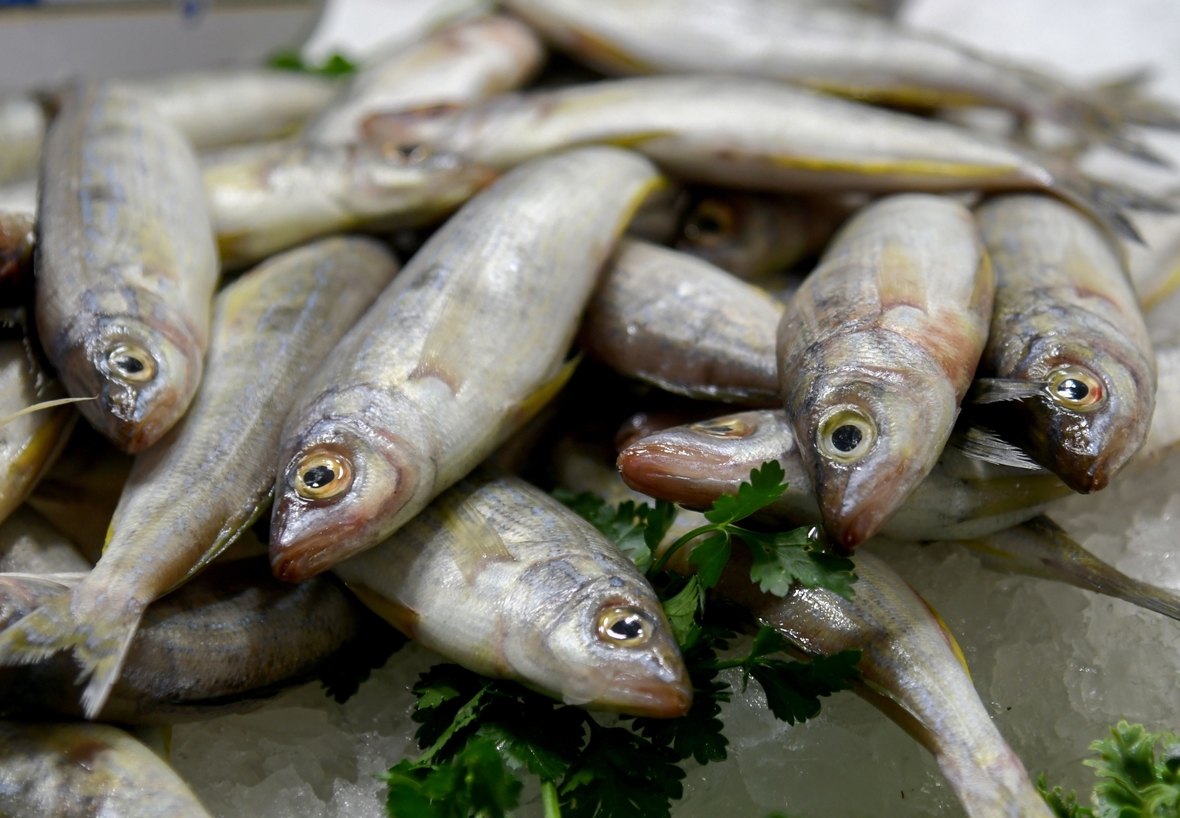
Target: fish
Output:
{"points": [[22, 128], [1068, 336], [29, 442], [684, 325], [83, 770], [455, 356], [911, 669], [191, 495], [829, 47], [30, 545], [501, 578], [876, 352], [961, 498], [126, 264], [461, 63], [753, 235], [745, 132], [270, 197], [214, 109], [224, 643]]}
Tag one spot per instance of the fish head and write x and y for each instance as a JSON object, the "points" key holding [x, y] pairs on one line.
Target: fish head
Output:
{"points": [[144, 376], [1093, 416], [868, 438], [416, 182], [607, 647], [696, 463]]}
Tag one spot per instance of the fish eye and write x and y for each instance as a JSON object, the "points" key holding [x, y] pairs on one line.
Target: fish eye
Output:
{"points": [[131, 363], [725, 427], [322, 476], [846, 434], [1076, 388], [623, 626], [710, 223]]}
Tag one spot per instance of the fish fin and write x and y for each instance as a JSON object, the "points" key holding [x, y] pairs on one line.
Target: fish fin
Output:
{"points": [[899, 281], [997, 390], [1123, 143], [403, 618], [47, 404], [99, 643], [477, 541], [1106, 201], [1123, 100], [983, 444], [524, 411], [946, 633]]}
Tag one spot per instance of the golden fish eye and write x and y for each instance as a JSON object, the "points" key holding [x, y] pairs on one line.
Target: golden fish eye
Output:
{"points": [[1076, 388], [131, 363], [725, 427], [710, 223], [846, 435], [322, 476], [624, 626]]}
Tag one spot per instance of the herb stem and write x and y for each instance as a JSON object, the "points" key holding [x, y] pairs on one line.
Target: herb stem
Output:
{"points": [[676, 546], [549, 799]]}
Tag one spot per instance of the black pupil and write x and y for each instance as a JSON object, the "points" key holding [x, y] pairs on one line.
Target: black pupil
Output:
{"points": [[318, 477], [129, 365], [707, 224], [628, 628], [1072, 389], [846, 437]]}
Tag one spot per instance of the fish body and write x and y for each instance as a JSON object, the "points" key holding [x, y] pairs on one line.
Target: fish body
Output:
{"points": [[961, 498], [1065, 315], [29, 544], [754, 134], [22, 128], [876, 351], [501, 578], [126, 264], [912, 670], [267, 198], [83, 770], [678, 322], [456, 355], [188, 497], [456, 65]]}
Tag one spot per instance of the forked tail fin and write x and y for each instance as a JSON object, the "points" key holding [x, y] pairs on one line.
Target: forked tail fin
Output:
{"points": [[1105, 201], [99, 640]]}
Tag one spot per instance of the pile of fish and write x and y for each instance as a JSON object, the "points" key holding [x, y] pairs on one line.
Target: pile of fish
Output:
{"points": [[764, 227]]}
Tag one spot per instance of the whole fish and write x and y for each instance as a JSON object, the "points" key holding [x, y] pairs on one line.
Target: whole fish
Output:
{"points": [[911, 669], [456, 355], [29, 544], [223, 643], [825, 46], [682, 324], [84, 770], [22, 128], [752, 235], [126, 264], [1075, 369], [191, 495], [218, 108], [501, 578], [755, 134], [28, 442], [876, 351], [267, 198], [456, 65]]}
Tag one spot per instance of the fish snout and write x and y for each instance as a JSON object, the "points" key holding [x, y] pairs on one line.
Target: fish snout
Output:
{"points": [[669, 472]]}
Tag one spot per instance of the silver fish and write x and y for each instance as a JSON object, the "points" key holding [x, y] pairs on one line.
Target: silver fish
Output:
{"points": [[464, 346], [501, 578], [84, 770], [29, 544], [126, 264], [22, 128], [684, 325], [191, 495], [911, 669]]}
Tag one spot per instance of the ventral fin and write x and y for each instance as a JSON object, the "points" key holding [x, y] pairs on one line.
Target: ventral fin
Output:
{"points": [[998, 390], [983, 444]]}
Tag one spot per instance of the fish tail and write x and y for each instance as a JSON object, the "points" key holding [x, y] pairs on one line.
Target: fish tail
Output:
{"points": [[1102, 114], [1107, 201], [99, 639]]}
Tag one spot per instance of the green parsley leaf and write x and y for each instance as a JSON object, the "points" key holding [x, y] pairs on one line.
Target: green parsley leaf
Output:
{"points": [[781, 560], [1133, 784], [445, 694], [291, 60], [710, 557], [1062, 805], [659, 522], [625, 526], [681, 611], [476, 782], [619, 775], [766, 485]]}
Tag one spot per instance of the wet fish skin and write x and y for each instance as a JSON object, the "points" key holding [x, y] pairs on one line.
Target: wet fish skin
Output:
{"points": [[188, 497], [1064, 308], [501, 578], [756, 134], [457, 354], [267, 198], [458, 64], [673, 320], [22, 128], [912, 670], [29, 544], [876, 351], [81, 770], [126, 264]]}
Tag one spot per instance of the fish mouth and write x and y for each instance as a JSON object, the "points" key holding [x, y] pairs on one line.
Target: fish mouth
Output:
{"points": [[646, 697], [854, 513], [666, 471]]}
